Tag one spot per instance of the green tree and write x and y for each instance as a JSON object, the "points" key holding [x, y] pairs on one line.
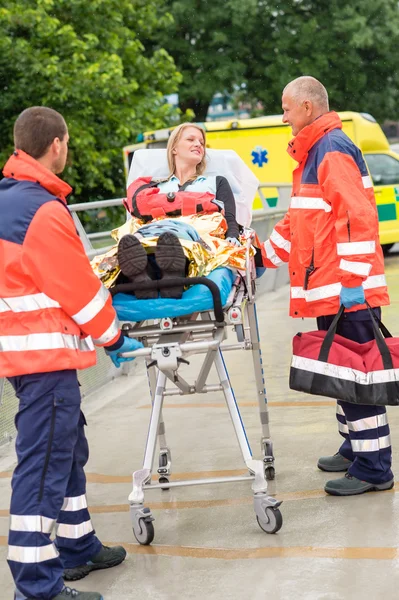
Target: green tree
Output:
{"points": [[86, 60], [258, 46]]}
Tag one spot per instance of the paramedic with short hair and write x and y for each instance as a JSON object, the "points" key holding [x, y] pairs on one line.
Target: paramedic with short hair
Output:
{"points": [[329, 237], [52, 309]]}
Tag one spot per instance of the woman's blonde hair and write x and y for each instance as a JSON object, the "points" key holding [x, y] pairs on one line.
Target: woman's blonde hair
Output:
{"points": [[173, 141]]}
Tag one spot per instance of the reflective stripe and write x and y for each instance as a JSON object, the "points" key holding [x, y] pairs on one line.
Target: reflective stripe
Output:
{"points": [[32, 554], [358, 268], [340, 410], [367, 182], [108, 335], [371, 445], [346, 373], [93, 307], [44, 341], [74, 503], [311, 203], [343, 428], [271, 255], [280, 242], [31, 523], [368, 423], [352, 248], [334, 289], [27, 303], [73, 532], [374, 281]]}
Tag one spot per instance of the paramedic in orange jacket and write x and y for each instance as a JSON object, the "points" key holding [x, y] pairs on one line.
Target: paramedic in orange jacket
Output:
{"points": [[329, 237], [52, 309]]}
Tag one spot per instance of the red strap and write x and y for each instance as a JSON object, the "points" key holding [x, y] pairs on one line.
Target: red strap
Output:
{"points": [[158, 211], [189, 204]]}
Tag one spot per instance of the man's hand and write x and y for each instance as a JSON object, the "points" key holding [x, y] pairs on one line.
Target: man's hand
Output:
{"points": [[352, 296], [129, 344]]}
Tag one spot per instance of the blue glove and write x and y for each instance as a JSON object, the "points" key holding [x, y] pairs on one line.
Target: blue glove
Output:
{"points": [[129, 344], [233, 241], [352, 296]]}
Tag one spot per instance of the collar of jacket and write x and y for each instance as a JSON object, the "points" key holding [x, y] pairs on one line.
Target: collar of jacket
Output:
{"points": [[300, 145], [23, 167]]}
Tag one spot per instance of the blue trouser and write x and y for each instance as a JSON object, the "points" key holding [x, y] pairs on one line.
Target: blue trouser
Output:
{"points": [[49, 485], [365, 428]]}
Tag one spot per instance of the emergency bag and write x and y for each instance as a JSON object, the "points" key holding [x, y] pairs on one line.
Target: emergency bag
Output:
{"points": [[327, 364], [145, 201]]}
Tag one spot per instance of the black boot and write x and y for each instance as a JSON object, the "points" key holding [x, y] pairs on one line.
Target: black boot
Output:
{"points": [[171, 259], [133, 262]]}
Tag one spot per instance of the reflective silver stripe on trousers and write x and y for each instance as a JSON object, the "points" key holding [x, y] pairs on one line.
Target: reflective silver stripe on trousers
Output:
{"points": [[339, 410], [32, 554], [74, 503], [73, 532], [305, 202], [108, 335], [342, 427], [27, 303], [353, 248], [279, 241], [93, 307], [31, 523], [44, 341], [368, 423], [371, 445], [334, 289], [271, 255], [358, 268]]}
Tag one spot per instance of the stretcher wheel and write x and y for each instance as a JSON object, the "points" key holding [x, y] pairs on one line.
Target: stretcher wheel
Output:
{"points": [[270, 473], [272, 522], [146, 533], [164, 480]]}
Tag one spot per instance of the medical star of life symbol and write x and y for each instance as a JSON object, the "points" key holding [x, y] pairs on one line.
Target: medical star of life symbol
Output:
{"points": [[259, 156]]}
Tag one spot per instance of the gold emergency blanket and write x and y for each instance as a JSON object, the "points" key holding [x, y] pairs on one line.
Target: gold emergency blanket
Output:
{"points": [[204, 256]]}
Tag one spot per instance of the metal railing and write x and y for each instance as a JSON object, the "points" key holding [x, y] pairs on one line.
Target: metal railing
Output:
{"points": [[103, 372]]}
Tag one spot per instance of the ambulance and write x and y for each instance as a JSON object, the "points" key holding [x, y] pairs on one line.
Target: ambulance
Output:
{"points": [[262, 144]]}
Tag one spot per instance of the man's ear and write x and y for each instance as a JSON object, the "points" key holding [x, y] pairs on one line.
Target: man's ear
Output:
{"points": [[308, 105], [56, 146]]}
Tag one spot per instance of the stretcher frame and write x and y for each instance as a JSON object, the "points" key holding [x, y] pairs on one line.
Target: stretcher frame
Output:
{"points": [[167, 344]]}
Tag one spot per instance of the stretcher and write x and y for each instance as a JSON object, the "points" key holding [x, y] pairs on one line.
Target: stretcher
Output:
{"points": [[198, 324]]}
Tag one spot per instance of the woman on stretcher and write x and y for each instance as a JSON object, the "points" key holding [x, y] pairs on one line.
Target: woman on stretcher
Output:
{"points": [[187, 191]]}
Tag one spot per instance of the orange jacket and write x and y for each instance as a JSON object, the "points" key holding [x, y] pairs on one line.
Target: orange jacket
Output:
{"points": [[51, 303], [329, 235]]}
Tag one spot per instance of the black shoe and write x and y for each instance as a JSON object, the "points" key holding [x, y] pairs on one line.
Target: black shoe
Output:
{"points": [[69, 594], [105, 559], [171, 259], [132, 259]]}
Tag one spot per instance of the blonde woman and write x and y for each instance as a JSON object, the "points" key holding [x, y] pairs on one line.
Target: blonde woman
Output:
{"points": [[186, 191]]}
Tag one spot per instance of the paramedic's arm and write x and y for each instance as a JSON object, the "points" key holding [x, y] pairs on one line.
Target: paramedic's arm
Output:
{"points": [[276, 250], [225, 195], [53, 256], [356, 222]]}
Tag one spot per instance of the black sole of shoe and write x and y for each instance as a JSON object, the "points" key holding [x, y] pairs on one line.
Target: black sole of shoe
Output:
{"points": [[82, 571], [374, 488], [133, 261], [170, 258], [327, 470]]}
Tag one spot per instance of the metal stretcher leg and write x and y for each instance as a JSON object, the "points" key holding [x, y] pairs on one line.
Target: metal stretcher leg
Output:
{"points": [[266, 508], [266, 443], [165, 456], [142, 518]]}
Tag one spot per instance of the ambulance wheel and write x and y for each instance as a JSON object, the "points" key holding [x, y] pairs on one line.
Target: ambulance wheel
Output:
{"points": [[386, 248], [164, 480], [146, 532], [272, 522], [270, 473]]}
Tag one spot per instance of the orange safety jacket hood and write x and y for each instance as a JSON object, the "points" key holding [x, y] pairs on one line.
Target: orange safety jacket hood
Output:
{"points": [[52, 306], [329, 235]]}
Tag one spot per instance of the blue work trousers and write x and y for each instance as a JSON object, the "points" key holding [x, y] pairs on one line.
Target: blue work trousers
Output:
{"points": [[365, 428], [49, 485]]}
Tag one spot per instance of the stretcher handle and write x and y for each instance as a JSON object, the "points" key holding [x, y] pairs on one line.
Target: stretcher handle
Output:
{"points": [[160, 284]]}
